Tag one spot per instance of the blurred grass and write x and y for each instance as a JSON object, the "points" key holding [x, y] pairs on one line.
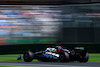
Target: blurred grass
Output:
{"points": [[11, 57], [93, 57], [14, 66]]}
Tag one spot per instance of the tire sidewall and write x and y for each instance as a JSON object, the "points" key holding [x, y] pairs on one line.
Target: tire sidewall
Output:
{"points": [[29, 56], [64, 57], [84, 58]]}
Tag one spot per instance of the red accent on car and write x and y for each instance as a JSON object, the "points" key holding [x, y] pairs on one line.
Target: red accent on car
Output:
{"points": [[81, 49], [75, 47], [59, 50], [60, 46]]}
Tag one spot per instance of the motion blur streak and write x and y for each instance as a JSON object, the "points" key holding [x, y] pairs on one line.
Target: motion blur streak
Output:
{"points": [[30, 24]]}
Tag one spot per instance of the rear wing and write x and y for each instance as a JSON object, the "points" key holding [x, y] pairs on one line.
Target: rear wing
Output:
{"points": [[79, 48]]}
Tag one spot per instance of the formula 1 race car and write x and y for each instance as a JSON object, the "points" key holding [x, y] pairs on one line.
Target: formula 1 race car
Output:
{"points": [[58, 54]]}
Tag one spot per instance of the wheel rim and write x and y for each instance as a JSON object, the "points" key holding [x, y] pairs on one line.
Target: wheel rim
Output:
{"points": [[62, 57]]}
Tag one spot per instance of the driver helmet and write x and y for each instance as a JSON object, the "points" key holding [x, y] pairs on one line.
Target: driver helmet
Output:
{"points": [[59, 48]]}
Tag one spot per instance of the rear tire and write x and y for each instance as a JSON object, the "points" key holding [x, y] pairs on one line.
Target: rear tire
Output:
{"points": [[64, 57], [84, 58], [28, 56]]}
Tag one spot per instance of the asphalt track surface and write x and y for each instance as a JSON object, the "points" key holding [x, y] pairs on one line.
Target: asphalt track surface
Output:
{"points": [[51, 64]]}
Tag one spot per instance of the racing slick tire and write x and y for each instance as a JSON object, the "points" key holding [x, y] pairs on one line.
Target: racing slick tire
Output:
{"points": [[28, 56], [64, 57], [84, 58]]}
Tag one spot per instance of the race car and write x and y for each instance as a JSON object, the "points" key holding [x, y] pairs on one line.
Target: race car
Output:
{"points": [[58, 54]]}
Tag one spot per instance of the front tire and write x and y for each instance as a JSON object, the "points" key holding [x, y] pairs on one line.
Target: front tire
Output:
{"points": [[28, 56], [64, 57]]}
